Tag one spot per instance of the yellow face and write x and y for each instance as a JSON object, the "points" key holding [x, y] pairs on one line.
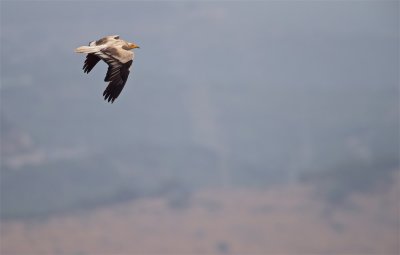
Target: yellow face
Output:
{"points": [[133, 46]]}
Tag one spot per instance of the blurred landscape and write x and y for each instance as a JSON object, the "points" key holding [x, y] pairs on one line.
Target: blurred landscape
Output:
{"points": [[258, 128], [214, 221]]}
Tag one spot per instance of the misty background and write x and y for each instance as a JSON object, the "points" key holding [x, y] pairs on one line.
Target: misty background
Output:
{"points": [[222, 94]]}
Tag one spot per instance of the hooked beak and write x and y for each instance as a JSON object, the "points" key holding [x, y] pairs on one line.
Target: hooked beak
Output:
{"points": [[133, 46]]}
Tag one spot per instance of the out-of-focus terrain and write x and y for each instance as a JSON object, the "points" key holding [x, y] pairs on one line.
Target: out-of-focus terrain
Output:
{"points": [[286, 220]]}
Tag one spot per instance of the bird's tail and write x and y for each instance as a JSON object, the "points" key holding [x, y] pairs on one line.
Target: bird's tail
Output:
{"points": [[86, 49]]}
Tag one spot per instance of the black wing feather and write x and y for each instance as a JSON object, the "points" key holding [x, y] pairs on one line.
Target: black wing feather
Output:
{"points": [[90, 62], [117, 75]]}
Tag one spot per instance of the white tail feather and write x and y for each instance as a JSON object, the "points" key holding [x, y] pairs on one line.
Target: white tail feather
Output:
{"points": [[86, 49]]}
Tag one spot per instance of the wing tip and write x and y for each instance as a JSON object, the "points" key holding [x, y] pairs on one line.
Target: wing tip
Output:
{"points": [[109, 97]]}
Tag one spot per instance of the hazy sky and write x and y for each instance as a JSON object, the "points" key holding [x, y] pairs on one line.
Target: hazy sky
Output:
{"points": [[321, 43], [273, 86]]}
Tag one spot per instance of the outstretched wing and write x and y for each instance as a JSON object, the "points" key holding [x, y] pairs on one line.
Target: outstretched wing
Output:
{"points": [[117, 76], [119, 62], [90, 62]]}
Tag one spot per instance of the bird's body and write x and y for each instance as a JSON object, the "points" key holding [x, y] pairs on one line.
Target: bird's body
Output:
{"points": [[119, 57]]}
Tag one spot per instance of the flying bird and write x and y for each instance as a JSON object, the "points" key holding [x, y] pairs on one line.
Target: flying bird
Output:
{"points": [[118, 56]]}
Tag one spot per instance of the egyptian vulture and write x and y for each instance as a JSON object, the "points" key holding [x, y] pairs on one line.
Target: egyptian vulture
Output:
{"points": [[118, 56]]}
